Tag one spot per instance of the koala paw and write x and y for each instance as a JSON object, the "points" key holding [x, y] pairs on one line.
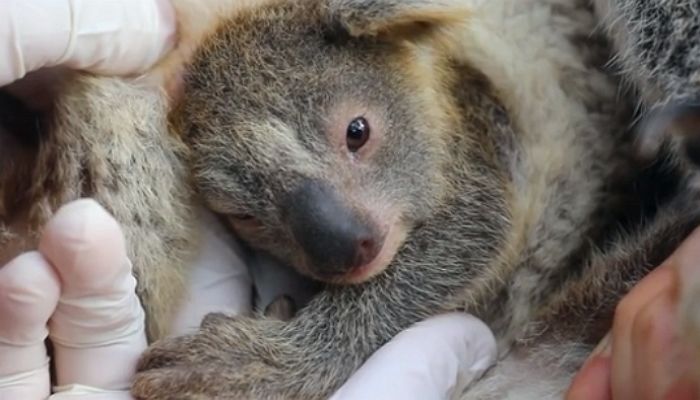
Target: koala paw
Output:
{"points": [[230, 358]]}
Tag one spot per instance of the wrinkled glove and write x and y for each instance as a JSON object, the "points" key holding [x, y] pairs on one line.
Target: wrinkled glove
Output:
{"points": [[434, 360], [79, 291], [103, 36]]}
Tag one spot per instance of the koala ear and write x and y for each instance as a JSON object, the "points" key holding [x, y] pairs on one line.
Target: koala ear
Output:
{"points": [[402, 17]]}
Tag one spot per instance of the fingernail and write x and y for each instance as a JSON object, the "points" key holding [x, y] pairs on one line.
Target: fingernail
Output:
{"points": [[604, 348]]}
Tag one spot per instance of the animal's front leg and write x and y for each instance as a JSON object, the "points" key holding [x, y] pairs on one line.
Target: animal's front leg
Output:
{"points": [[312, 355], [308, 357], [229, 358]]}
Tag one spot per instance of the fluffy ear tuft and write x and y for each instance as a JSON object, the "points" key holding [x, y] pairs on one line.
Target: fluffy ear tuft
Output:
{"points": [[395, 17]]}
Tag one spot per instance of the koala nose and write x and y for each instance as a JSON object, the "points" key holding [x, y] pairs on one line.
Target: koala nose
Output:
{"points": [[335, 239]]}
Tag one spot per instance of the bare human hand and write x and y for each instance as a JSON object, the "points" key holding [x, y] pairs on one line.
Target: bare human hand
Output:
{"points": [[647, 356]]}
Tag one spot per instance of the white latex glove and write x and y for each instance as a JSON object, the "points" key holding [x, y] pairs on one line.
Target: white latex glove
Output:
{"points": [[103, 36], [434, 360], [97, 323]]}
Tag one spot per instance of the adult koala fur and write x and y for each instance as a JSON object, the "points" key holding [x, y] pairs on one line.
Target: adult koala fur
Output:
{"points": [[419, 156]]}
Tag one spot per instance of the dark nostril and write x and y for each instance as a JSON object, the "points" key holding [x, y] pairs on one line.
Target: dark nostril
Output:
{"points": [[367, 251]]}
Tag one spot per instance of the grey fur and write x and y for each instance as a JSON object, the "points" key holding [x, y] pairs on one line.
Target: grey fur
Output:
{"points": [[472, 245], [105, 139], [501, 171]]}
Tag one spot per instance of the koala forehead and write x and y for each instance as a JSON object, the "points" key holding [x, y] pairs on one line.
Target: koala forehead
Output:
{"points": [[263, 90], [286, 55]]}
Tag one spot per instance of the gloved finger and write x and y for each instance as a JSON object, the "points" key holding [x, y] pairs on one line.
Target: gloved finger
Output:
{"points": [[103, 36], [122, 37], [77, 392], [219, 280], [29, 290], [435, 359], [98, 327]]}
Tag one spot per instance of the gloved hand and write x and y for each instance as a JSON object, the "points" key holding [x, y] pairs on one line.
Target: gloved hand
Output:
{"points": [[102, 36], [97, 324], [434, 360], [77, 289]]}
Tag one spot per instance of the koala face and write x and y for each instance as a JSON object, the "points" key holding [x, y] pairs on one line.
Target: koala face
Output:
{"points": [[315, 144]]}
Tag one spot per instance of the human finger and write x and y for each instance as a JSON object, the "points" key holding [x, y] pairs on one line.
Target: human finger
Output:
{"points": [[592, 382], [654, 346], [662, 283], [622, 375]]}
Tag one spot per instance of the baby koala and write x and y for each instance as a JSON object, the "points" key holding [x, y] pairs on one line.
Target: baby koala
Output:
{"points": [[414, 156], [417, 157]]}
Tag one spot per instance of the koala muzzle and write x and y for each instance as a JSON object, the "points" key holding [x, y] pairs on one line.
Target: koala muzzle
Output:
{"points": [[335, 238]]}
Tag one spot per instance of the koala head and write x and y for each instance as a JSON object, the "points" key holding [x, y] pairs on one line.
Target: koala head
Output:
{"points": [[317, 128]]}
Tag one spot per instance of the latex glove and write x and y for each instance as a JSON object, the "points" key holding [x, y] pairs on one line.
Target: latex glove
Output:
{"points": [[103, 36], [435, 359], [97, 323], [219, 278]]}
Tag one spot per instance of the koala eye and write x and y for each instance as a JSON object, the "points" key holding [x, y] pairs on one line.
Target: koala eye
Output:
{"points": [[357, 134]]}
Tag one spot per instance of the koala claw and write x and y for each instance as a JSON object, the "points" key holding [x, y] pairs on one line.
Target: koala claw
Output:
{"points": [[204, 381], [171, 383], [167, 353], [229, 358]]}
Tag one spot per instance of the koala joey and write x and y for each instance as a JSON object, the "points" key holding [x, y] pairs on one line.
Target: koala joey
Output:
{"points": [[415, 156]]}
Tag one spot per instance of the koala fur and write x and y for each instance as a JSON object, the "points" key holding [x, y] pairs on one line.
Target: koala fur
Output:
{"points": [[658, 58], [490, 178], [497, 158], [106, 139]]}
